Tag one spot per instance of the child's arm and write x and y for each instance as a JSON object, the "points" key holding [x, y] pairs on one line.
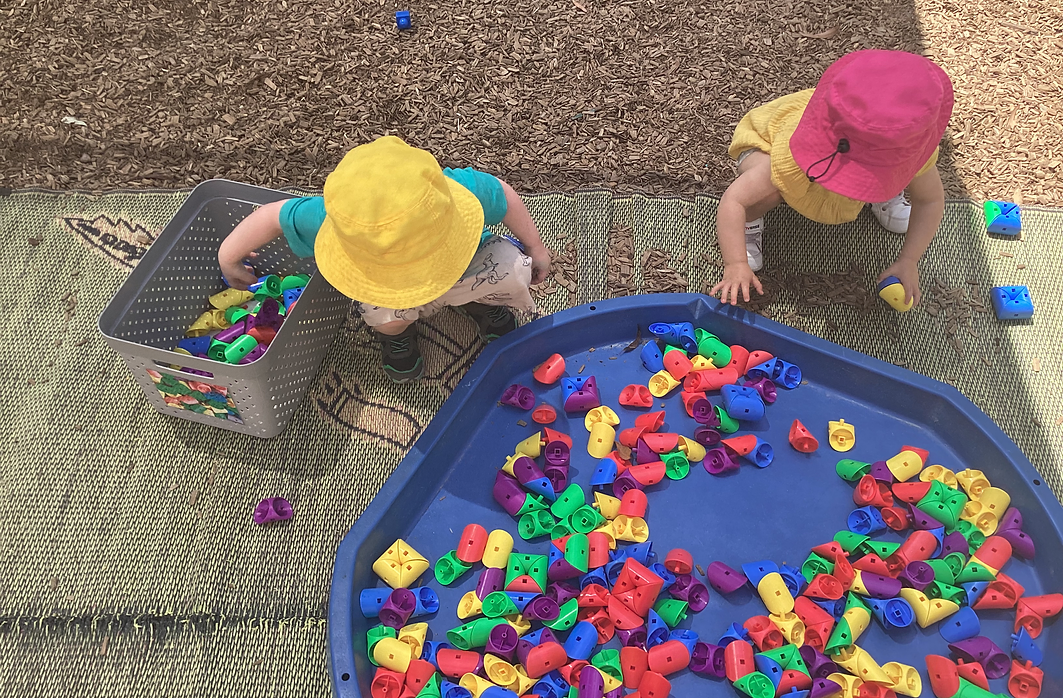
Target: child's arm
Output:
{"points": [[751, 190], [253, 232], [927, 197], [520, 223]]}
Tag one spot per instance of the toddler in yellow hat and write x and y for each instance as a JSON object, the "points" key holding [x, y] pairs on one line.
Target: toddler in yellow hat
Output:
{"points": [[404, 238]]}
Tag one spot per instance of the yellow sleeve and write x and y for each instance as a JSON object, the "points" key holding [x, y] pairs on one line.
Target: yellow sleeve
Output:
{"points": [[757, 129]]}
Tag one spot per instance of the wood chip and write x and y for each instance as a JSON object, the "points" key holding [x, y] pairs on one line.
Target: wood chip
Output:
{"points": [[1059, 420], [522, 423], [1036, 364], [192, 499], [53, 583], [700, 571], [582, 366], [103, 645], [1006, 254], [1020, 266]]}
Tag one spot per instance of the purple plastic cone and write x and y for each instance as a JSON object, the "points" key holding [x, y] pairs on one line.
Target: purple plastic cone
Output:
{"points": [[918, 575], [557, 453], [272, 509], [821, 688], [519, 396], [557, 475], [542, 608], [765, 387], [704, 413], [492, 579], [268, 315], [591, 683], [881, 472], [644, 454], [560, 592], [526, 470], [984, 651], [725, 579], [254, 355], [687, 588], [708, 659], [398, 608], [923, 521], [508, 493], [954, 543], [1012, 518], [707, 436], [820, 666], [636, 637], [719, 460], [1021, 543], [880, 587], [562, 570], [624, 483]]}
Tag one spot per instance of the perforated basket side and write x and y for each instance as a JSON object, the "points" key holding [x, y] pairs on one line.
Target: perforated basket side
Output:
{"points": [[168, 291]]}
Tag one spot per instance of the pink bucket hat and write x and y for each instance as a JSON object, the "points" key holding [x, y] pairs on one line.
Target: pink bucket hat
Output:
{"points": [[873, 121]]}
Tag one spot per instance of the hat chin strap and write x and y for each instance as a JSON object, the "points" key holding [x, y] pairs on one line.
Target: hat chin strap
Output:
{"points": [[842, 147]]}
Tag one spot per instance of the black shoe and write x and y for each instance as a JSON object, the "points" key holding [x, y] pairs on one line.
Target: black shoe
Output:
{"points": [[401, 355], [492, 321]]}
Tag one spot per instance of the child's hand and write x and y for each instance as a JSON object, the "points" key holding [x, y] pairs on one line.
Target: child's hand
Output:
{"points": [[236, 272], [907, 271], [736, 277], [540, 257]]}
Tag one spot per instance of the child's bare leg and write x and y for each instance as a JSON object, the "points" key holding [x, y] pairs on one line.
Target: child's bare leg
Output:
{"points": [[393, 328]]}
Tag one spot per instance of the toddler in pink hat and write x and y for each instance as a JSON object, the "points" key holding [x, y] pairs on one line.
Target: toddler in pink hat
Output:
{"points": [[868, 131]]}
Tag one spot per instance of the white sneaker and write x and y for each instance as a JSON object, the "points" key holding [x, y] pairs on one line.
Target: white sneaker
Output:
{"points": [[894, 214], [755, 244]]}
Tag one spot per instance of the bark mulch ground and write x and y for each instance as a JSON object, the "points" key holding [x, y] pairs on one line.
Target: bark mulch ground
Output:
{"points": [[548, 94]]}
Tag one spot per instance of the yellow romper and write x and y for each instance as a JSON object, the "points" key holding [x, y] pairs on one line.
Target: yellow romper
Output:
{"points": [[768, 128]]}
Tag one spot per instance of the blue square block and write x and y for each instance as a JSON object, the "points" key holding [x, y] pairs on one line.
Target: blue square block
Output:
{"points": [[1012, 302], [1002, 218], [402, 19]]}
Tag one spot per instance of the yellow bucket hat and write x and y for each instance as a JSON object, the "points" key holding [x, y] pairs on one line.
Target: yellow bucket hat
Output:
{"points": [[397, 232]]}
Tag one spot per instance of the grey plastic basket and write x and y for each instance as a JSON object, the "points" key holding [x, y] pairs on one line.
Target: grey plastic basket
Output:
{"points": [[169, 289]]}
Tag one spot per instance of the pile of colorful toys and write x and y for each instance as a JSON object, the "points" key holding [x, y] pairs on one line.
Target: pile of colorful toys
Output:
{"points": [[598, 613], [240, 325]]}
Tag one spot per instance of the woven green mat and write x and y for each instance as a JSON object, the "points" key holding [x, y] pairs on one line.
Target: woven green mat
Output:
{"points": [[132, 566]]}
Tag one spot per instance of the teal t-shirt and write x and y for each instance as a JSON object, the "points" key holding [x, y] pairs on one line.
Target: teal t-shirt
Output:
{"points": [[302, 218]]}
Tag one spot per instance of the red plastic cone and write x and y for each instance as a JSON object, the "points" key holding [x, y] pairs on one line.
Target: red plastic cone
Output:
{"points": [[742, 445], [801, 438], [923, 454], [944, 676], [973, 672], [910, 492]]}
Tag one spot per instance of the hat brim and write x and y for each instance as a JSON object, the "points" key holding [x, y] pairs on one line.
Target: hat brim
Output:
{"points": [[414, 283], [812, 141]]}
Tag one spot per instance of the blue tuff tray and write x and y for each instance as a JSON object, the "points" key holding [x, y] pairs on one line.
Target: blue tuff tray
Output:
{"points": [[777, 513]]}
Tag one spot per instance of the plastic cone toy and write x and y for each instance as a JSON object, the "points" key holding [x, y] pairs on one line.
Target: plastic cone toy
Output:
{"points": [[842, 436], [801, 439]]}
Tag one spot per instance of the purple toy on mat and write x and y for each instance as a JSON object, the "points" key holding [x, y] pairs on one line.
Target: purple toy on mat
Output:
{"points": [[273, 509]]}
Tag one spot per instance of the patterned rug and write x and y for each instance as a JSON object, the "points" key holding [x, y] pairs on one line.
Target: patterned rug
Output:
{"points": [[132, 566]]}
